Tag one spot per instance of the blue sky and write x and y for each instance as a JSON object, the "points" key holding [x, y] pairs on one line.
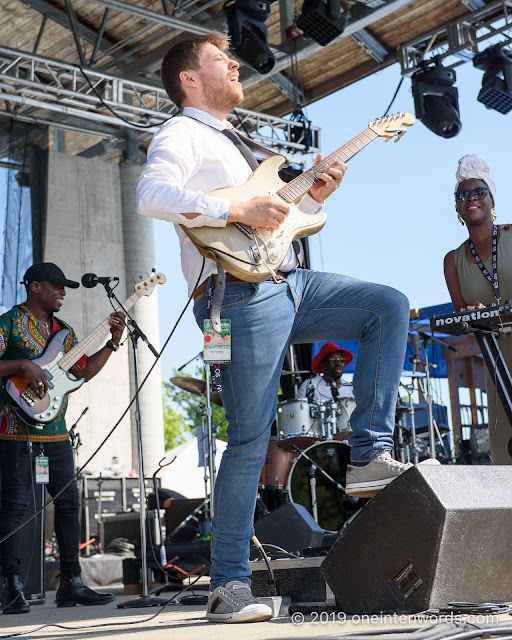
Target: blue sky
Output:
{"points": [[393, 219]]}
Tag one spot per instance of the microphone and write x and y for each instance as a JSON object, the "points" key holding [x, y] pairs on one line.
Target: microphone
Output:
{"points": [[90, 280]]}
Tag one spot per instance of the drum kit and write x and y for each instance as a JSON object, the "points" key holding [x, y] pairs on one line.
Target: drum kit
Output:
{"points": [[307, 459], [307, 456], [308, 453]]}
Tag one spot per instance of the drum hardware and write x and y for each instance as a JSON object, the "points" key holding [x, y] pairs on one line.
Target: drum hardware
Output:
{"points": [[313, 468], [317, 479], [193, 385]]}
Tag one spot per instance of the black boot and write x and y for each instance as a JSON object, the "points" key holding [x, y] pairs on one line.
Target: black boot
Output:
{"points": [[73, 591], [13, 600]]}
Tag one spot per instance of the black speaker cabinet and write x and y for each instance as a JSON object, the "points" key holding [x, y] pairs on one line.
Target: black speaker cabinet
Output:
{"points": [[436, 534], [291, 527], [32, 550]]}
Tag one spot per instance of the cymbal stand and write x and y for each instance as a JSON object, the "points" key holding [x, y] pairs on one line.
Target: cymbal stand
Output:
{"points": [[414, 442], [314, 467], [433, 429]]}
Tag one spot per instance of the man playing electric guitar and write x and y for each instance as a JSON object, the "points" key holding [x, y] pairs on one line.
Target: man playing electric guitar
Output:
{"points": [[189, 157], [25, 331]]}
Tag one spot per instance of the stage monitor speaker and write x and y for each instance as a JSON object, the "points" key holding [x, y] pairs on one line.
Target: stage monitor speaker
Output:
{"points": [[290, 527], [436, 534], [32, 550]]}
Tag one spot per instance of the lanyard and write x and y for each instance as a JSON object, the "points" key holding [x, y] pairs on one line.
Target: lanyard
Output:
{"points": [[494, 279]]}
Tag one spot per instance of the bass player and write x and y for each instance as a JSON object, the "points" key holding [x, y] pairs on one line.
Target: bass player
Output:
{"points": [[25, 332]]}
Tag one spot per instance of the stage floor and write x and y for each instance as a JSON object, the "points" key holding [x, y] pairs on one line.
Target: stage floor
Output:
{"points": [[184, 622]]}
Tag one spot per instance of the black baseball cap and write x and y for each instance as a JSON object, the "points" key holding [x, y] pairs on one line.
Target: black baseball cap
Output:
{"points": [[47, 272]]}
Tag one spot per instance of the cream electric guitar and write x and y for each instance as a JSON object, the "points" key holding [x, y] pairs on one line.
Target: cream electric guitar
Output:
{"points": [[255, 256], [56, 364]]}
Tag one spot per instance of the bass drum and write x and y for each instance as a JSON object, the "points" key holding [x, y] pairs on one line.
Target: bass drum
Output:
{"points": [[334, 507]]}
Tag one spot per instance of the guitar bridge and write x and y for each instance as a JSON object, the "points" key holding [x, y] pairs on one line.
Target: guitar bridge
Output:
{"points": [[255, 253], [28, 397]]}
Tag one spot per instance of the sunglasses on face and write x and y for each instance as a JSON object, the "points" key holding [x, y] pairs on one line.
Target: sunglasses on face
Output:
{"points": [[464, 194], [335, 360]]}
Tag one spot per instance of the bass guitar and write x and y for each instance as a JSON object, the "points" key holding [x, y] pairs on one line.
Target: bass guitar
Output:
{"points": [[254, 256], [56, 364]]}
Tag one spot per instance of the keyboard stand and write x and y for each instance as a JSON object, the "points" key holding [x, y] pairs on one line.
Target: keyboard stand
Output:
{"points": [[495, 362]]}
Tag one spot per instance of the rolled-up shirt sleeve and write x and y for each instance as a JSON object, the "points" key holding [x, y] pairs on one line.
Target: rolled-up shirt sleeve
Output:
{"points": [[172, 162]]}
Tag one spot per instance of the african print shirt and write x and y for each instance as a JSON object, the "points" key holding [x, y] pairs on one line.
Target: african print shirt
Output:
{"points": [[21, 338]]}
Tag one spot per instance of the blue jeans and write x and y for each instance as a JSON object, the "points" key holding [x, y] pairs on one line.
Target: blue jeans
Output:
{"points": [[17, 472], [266, 318]]}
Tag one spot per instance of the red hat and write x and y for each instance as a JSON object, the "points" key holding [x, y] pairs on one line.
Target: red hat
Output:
{"points": [[327, 349]]}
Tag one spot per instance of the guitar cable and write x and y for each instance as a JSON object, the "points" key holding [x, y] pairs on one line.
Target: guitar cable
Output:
{"points": [[51, 499]]}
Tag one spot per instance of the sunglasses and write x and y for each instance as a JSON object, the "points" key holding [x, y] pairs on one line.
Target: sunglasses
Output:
{"points": [[335, 360], [464, 194]]}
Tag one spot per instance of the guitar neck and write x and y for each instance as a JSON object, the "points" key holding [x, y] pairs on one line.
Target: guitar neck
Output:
{"points": [[74, 354], [300, 185]]}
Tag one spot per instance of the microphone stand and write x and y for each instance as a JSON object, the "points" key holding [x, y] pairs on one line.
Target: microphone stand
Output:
{"points": [[144, 600]]}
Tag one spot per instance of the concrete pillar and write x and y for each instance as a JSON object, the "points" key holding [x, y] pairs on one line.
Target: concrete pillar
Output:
{"points": [[139, 256], [84, 234]]}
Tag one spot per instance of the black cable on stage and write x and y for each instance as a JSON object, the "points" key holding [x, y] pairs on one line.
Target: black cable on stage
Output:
{"points": [[53, 498], [271, 583], [174, 601], [394, 96]]}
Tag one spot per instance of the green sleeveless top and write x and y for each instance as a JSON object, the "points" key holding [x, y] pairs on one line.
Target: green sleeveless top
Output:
{"points": [[474, 285]]}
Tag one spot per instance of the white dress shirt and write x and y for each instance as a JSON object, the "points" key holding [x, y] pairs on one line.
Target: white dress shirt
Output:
{"points": [[323, 391], [186, 160]]}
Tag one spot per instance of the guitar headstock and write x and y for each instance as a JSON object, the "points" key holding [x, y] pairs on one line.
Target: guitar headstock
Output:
{"points": [[391, 126], [147, 286]]}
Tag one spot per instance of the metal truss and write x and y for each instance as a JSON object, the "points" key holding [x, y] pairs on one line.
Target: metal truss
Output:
{"points": [[460, 39], [32, 85]]}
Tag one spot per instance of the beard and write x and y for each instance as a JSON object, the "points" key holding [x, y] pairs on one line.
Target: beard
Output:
{"points": [[224, 97]]}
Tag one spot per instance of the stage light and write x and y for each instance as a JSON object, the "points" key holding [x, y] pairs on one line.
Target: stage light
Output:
{"points": [[322, 21], [248, 33], [496, 91], [436, 100]]}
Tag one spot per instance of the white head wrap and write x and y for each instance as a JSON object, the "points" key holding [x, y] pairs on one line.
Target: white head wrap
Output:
{"points": [[472, 166]]}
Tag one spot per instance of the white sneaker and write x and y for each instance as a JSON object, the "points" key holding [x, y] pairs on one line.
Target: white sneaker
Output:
{"points": [[367, 481], [235, 603]]}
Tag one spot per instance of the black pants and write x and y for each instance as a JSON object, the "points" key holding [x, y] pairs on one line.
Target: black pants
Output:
{"points": [[18, 479]]}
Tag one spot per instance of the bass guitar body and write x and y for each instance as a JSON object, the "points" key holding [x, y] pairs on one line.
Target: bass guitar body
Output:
{"points": [[60, 384]]}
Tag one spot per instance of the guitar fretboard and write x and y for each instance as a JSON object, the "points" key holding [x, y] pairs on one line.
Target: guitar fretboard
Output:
{"points": [[303, 183], [74, 354]]}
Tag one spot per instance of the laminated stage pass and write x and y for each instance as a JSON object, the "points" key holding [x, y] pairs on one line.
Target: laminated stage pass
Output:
{"points": [[217, 346], [42, 470]]}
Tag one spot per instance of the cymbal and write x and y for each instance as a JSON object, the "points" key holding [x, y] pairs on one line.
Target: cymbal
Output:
{"points": [[411, 374], [291, 373], [193, 385]]}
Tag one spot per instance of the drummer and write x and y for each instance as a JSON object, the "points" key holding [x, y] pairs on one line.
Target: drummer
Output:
{"points": [[328, 384]]}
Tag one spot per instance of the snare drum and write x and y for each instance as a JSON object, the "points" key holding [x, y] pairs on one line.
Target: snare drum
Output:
{"points": [[297, 423]]}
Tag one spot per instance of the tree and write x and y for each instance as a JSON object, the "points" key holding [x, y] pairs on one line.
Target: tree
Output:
{"points": [[176, 430], [189, 405]]}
